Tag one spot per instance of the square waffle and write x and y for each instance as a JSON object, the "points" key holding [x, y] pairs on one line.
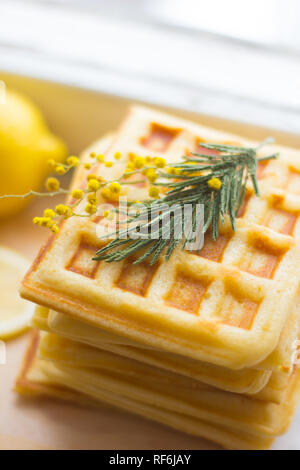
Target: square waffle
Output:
{"points": [[194, 408], [33, 381], [169, 390], [241, 381], [265, 385], [226, 305]]}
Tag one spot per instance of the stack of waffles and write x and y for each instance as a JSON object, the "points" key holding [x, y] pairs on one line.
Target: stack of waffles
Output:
{"points": [[205, 342]]}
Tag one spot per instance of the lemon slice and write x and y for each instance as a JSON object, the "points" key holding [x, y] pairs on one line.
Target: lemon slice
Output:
{"points": [[15, 313]]}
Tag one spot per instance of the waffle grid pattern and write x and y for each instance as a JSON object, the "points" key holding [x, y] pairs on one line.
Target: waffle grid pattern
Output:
{"points": [[265, 251], [234, 282]]}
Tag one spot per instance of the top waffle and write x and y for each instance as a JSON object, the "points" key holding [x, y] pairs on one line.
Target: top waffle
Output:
{"points": [[225, 305]]}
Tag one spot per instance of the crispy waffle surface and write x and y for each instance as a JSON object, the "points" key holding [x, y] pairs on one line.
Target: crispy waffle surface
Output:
{"points": [[225, 305], [68, 370]]}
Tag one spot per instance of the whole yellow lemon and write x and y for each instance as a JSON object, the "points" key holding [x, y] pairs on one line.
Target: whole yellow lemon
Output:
{"points": [[26, 144]]}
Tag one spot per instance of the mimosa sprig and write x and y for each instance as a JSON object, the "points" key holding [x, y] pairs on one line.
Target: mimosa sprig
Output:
{"points": [[217, 181]]}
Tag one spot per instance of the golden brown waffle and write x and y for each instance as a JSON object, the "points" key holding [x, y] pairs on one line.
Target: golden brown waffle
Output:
{"points": [[168, 390], [226, 418], [266, 385], [226, 305], [241, 381], [34, 382], [271, 388]]}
